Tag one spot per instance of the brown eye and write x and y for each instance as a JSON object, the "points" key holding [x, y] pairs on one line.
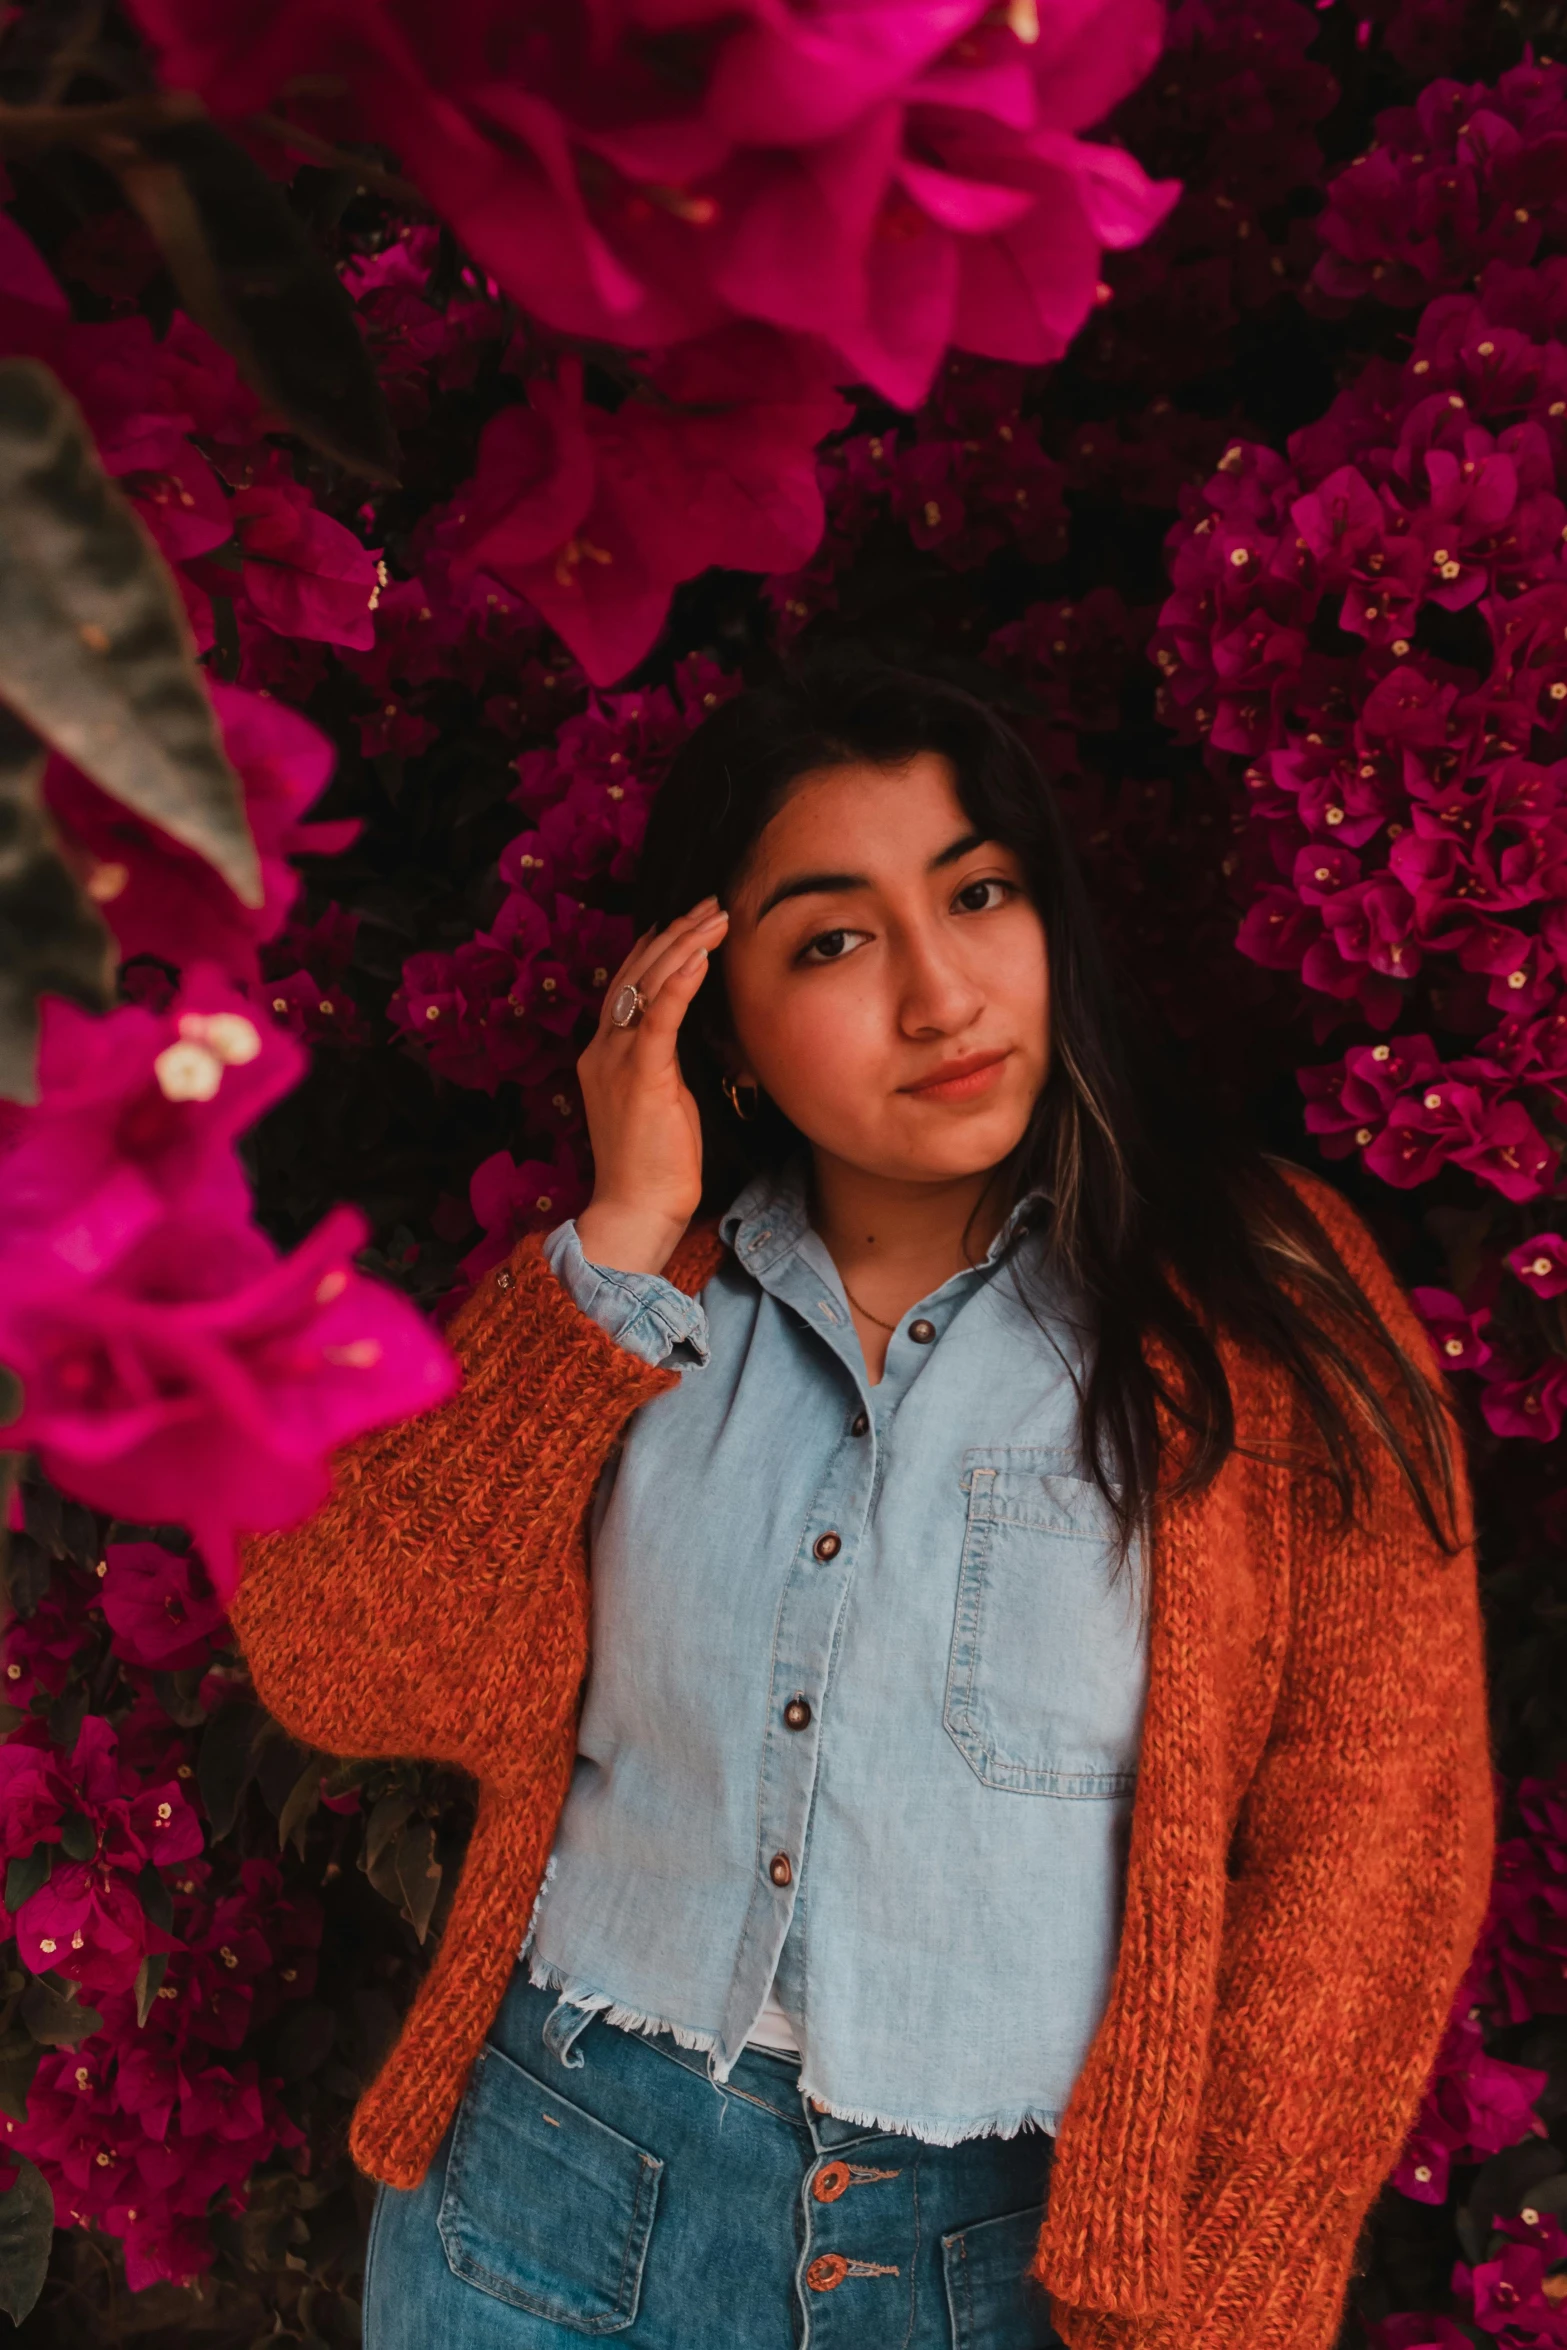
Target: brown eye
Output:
{"points": [[828, 947], [978, 897]]}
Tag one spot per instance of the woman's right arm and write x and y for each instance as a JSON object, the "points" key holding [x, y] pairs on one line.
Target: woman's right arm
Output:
{"points": [[448, 1560], [373, 1628]]}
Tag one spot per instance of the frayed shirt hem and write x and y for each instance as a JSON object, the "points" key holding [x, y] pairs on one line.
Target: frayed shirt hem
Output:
{"points": [[938, 2133], [547, 1977]]}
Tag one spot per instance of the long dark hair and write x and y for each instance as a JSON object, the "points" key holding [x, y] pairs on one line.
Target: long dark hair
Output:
{"points": [[1164, 1222]]}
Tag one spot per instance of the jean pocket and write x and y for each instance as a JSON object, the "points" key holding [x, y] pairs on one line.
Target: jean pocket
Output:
{"points": [[992, 2300], [1046, 1674], [544, 2207]]}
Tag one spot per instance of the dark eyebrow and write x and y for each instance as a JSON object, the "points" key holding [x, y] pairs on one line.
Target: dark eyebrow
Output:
{"points": [[811, 885]]}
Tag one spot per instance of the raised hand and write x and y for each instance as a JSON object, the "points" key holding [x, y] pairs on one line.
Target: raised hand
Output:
{"points": [[642, 1120]]}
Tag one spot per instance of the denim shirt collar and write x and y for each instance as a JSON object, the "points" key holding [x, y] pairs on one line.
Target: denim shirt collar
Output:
{"points": [[770, 1218]]}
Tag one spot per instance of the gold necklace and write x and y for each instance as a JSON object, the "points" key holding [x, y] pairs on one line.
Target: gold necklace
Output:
{"points": [[865, 1310]]}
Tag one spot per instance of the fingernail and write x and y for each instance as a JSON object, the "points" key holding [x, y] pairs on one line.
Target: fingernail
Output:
{"points": [[711, 899]]}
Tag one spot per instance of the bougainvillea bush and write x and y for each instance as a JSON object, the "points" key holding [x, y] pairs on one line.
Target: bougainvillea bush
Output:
{"points": [[469, 400]]}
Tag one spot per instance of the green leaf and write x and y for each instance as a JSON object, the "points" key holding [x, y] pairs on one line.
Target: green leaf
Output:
{"points": [[78, 1838], [303, 1797], [385, 1822], [149, 1975], [225, 1762], [417, 1873], [53, 2014], [248, 269], [23, 1877], [155, 1897], [20, 2057], [52, 941], [177, 1694], [95, 652], [26, 2236]]}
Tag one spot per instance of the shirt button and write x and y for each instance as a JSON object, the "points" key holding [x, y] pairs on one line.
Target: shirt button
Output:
{"points": [[922, 1332], [797, 1713], [827, 1546], [859, 1424], [779, 1870]]}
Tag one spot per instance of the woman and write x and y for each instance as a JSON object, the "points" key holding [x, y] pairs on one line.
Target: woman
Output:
{"points": [[1006, 1443]]}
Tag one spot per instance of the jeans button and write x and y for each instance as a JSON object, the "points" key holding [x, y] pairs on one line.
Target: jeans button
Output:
{"points": [[827, 1546], [797, 1713], [830, 2182], [779, 1869], [827, 2272]]}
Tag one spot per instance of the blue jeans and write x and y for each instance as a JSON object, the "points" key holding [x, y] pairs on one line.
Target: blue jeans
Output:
{"points": [[596, 2183]]}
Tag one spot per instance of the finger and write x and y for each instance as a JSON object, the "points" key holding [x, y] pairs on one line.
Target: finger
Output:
{"points": [[656, 943], [619, 977], [659, 1026], [705, 934]]}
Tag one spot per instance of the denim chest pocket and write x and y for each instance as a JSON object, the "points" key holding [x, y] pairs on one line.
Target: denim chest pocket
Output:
{"points": [[544, 2207], [1046, 1675]]}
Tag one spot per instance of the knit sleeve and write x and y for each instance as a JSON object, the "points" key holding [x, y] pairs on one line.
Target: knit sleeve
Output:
{"points": [[380, 1625], [1359, 1877]]}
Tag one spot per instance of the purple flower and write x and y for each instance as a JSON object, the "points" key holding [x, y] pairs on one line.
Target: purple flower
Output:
{"points": [[1541, 1263], [1456, 1334], [161, 1607], [509, 1200], [136, 1119], [203, 1378]]}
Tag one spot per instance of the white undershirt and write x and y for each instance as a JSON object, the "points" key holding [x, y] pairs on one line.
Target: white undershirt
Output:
{"points": [[773, 2030]]}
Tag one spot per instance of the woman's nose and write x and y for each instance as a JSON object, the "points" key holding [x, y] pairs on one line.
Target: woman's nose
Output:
{"points": [[940, 994]]}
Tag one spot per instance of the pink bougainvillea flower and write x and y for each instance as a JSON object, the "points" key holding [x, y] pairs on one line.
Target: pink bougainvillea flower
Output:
{"points": [[1541, 1263], [161, 898], [136, 1118], [595, 517], [302, 574], [1418, 2333], [894, 176], [203, 1379], [1454, 1332], [34, 1793], [162, 1609], [87, 1923], [509, 1200], [171, 485]]}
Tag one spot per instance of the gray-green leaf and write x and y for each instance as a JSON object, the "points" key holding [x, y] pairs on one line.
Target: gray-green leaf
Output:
{"points": [[52, 942], [95, 653], [249, 270], [26, 2234]]}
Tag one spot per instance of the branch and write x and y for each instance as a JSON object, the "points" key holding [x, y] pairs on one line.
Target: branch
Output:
{"points": [[315, 150], [28, 127]]}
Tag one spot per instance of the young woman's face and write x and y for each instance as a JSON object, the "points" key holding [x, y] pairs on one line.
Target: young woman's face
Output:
{"points": [[887, 976]]}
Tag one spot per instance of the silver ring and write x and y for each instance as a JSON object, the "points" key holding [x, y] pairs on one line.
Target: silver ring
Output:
{"points": [[628, 1007]]}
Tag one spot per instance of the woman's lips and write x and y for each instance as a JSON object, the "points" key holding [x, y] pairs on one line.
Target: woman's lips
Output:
{"points": [[960, 1081]]}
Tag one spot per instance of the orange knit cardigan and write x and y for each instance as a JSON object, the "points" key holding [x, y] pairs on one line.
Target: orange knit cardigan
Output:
{"points": [[1311, 1835]]}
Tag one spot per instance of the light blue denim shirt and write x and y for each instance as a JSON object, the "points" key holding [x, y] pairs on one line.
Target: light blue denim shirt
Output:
{"points": [[862, 1717]]}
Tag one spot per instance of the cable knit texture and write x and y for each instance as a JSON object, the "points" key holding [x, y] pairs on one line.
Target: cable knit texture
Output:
{"points": [[1311, 1836]]}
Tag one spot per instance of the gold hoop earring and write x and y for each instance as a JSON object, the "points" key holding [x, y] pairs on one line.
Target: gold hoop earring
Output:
{"points": [[733, 1088]]}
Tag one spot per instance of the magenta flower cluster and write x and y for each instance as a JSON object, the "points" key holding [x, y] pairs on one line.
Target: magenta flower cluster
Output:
{"points": [[760, 205], [516, 1002], [965, 478], [175, 1365], [1476, 2105], [1376, 626]]}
